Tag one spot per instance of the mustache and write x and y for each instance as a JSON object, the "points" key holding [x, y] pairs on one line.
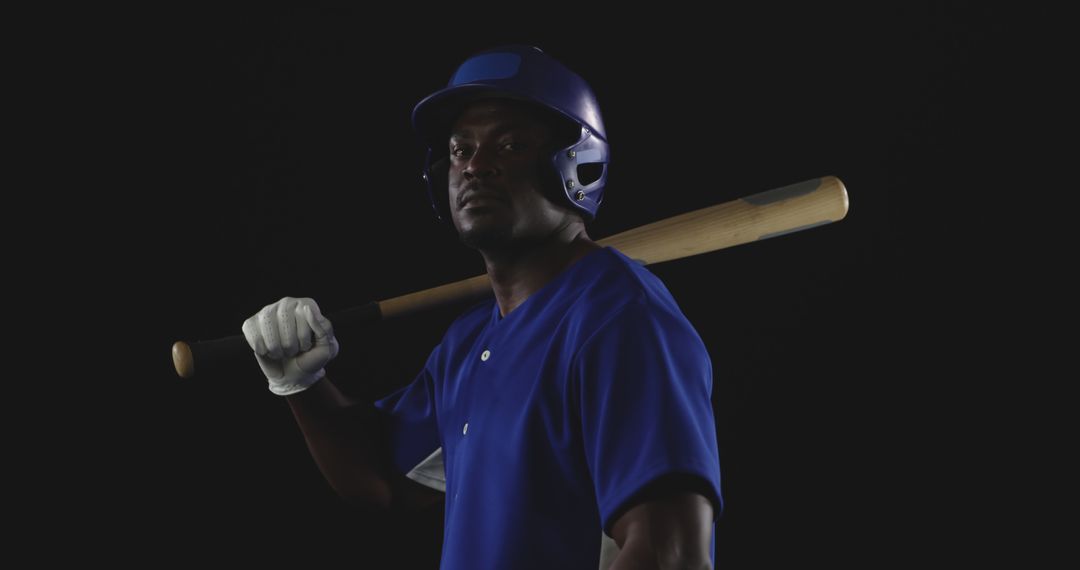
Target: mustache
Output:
{"points": [[475, 190]]}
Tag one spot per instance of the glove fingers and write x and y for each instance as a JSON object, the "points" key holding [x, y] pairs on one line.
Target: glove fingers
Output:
{"points": [[253, 336], [286, 325], [326, 346], [319, 324], [303, 329], [268, 326]]}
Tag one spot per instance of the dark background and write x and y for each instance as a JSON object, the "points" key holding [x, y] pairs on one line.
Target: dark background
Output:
{"points": [[269, 153]]}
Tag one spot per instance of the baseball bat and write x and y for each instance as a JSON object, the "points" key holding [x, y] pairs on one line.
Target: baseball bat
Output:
{"points": [[760, 216]]}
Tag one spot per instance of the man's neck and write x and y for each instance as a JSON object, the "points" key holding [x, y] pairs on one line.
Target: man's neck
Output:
{"points": [[517, 274]]}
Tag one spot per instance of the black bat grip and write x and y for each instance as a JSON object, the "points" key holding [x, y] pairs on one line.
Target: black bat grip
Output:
{"points": [[219, 353]]}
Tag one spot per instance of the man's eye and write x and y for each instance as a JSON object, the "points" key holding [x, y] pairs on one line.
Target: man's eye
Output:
{"points": [[459, 151]]}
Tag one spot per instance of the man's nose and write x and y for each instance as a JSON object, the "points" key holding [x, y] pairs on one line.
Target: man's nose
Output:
{"points": [[482, 164]]}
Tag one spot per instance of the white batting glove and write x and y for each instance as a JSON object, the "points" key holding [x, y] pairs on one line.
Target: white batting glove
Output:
{"points": [[281, 334]]}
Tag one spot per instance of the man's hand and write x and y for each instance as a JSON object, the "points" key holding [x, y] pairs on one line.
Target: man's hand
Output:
{"points": [[293, 342]]}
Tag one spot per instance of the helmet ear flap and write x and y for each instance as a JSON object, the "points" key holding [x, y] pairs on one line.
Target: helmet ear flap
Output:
{"points": [[437, 176]]}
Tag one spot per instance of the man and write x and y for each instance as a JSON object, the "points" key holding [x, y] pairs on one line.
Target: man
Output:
{"points": [[573, 406]]}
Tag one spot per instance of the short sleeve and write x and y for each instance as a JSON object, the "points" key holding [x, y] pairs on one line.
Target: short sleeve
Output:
{"points": [[644, 383], [411, 421]]}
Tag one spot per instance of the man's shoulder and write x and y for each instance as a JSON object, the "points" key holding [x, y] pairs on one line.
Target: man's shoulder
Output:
{"points": [[618, 291], [629, 307], [617, 280]]}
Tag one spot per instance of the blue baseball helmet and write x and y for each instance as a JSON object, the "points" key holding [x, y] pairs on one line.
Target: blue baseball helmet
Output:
{"points": [[524, 73]]}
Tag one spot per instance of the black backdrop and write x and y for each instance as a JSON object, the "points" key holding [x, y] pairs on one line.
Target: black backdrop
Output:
{"points": [[269, 154]]}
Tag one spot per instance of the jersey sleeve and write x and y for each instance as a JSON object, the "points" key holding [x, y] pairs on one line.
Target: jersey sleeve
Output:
{"points": [[413, 429], [644, 382]]}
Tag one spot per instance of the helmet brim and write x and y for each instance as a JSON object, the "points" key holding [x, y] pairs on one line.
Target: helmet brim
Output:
{"points": [[433, 116]]}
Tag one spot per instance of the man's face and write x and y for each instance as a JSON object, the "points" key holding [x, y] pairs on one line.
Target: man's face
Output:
{"points": [[498, 149]]}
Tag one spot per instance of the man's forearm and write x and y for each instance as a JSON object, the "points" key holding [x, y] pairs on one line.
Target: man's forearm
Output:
{"points": [[342, 442]]}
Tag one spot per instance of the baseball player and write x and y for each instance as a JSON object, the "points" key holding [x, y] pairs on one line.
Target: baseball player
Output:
{"points": [[566, 422]]}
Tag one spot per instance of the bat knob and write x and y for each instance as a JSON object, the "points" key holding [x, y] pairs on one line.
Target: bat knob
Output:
{"points": [[182, 359]]}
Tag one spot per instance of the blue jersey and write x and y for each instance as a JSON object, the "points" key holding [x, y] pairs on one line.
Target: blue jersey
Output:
{"points": [[540, 425]]}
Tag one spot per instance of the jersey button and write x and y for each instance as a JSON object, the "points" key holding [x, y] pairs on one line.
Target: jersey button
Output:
{"points": [[485, 355], [465, 428]]}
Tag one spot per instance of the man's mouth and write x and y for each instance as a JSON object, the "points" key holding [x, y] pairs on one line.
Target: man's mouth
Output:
{"points": [[481, 198]]}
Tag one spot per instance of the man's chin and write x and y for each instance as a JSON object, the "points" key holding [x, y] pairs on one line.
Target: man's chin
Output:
{"points": [[485, 236]]}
